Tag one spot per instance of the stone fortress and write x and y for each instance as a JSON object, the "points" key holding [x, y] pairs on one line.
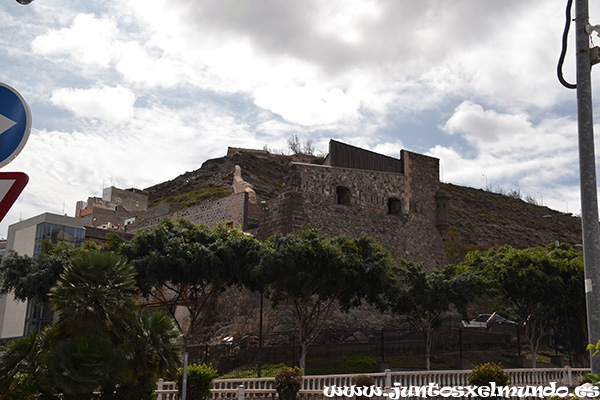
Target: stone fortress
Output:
{"points": [[354, 192], [400, 202]]}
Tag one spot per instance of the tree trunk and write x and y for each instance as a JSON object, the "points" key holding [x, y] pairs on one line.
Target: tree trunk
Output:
{"points": [[303, 341], [428, 341], [303, 351], [533, 346]]}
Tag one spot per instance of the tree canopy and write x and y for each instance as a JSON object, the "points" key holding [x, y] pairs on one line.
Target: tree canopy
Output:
{"points": [[537, 283], [182, 264], [99, 342], [314, 272], [31, 278], [424, 296]]}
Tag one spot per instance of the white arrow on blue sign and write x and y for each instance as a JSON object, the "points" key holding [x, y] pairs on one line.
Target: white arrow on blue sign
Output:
{"points": [[15, 123]]}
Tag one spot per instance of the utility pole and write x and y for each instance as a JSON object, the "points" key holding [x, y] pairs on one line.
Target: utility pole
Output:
{"points": [[587, 172]]}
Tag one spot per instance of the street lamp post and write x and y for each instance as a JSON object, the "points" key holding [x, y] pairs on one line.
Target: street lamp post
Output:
{"points": [[557, 224]]}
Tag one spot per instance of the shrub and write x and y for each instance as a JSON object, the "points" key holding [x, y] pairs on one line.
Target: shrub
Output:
{"points": [[483, 374], [288, 382], [199, 379], [363, 381], [593, 378]]}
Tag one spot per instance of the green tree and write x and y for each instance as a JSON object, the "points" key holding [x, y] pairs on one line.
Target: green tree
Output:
{"points": [[95, 294], [98, 343], [536, 283], [95, 298], [153, 352], [572, 306], [425, 296], [313, 272], [185, 264], [456, 249], [31, 278], [23, 373], [199, 380]]}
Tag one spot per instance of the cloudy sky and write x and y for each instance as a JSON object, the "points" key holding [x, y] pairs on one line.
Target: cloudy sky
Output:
{"points": [[136, 92]]}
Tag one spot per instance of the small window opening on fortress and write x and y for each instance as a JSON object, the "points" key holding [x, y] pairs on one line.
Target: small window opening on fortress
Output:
{"points": [[342, 195], [394, 206]]}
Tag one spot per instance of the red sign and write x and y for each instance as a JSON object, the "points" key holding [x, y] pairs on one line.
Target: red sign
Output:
{"points": [[11, 186]]}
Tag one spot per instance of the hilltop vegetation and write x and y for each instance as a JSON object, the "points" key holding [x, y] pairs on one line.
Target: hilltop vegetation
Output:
{"points": [[479, 219]]}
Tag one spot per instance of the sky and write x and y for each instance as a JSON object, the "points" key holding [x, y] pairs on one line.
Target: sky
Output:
{"points": [[132, 93]]}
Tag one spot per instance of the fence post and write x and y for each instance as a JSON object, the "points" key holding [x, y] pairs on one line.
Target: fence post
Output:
{"points": [[569, 376], [388, 378], [159, 386], [240, 395]]}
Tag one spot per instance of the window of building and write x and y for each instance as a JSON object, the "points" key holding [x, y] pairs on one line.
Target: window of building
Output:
{"points": [[394, 206], [38, 315], [56, 233], [342, 195]]}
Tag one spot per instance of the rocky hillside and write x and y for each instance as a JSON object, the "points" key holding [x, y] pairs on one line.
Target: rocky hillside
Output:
{"points": [[265, 171], [479, 218], [485, 219]]}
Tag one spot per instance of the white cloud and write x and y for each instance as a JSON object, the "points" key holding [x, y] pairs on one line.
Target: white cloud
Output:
{"points": [[508, 152], [484, 128], [506, 136], [307, 105], [88, 41], [111, 104], [151, 67]]}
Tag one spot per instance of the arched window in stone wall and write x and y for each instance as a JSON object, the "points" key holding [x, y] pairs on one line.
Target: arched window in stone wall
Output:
{"points": [[394, 206], [342, 195]]}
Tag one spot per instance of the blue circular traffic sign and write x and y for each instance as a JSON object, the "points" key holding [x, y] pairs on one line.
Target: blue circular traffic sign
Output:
{"points": [[15, 123]]}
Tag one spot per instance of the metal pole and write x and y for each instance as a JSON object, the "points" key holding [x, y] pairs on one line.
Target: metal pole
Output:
{"points": [[587, 172], [558, 229], [460, 343], [260, 337], [382, 347], [518, 340], [184, 384]]}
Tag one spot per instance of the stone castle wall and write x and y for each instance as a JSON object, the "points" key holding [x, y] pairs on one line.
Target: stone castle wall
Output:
{"points": [[230, 209], [227, 210], [408, 231]]}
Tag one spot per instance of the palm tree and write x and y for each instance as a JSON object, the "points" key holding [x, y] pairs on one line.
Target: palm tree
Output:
{"points": [[154, 351], [95, 294], [98, 343]]}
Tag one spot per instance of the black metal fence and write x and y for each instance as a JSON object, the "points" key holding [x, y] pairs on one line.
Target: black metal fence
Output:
{"points": [[345, 351]]}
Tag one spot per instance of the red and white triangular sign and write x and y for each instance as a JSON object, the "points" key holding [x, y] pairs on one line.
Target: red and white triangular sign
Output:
{"points": [[11, 186]]}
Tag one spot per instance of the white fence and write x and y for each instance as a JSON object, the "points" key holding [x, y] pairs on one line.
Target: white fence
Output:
{"points": [[313, 386]]}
